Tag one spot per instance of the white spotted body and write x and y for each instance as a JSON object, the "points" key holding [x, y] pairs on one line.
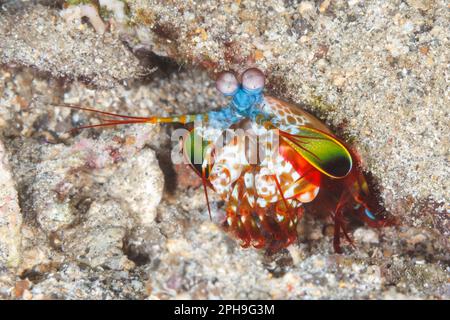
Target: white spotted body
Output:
{"points": [[250, 191], [231, 169]]}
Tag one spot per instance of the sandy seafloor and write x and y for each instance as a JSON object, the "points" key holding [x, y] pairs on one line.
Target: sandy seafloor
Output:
{"points": [[105, 215]]}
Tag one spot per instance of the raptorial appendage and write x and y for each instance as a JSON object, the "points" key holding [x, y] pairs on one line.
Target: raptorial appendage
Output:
{"points": [[263, 199]]}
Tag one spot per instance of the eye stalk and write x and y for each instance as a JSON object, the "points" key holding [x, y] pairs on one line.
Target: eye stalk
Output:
{"points": [[253, 80], [227, 83]]}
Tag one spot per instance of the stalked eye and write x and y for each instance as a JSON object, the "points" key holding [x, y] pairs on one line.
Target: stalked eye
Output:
{"points": [[253, 80], [227, 83]]}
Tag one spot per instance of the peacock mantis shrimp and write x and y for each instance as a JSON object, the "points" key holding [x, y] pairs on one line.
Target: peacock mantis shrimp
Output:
{"points": [[267, 159]]}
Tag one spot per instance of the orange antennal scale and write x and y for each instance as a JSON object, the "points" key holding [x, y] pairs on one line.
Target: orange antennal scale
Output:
{"points": [[72, 106], [184, 119], [108, 124]]}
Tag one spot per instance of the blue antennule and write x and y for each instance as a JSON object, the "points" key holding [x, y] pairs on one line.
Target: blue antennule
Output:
{"points": [[244, 100]]}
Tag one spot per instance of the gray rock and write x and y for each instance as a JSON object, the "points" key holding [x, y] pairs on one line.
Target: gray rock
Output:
{"points": [[98, 241], [10, 216], [373, 70], [139, 184], [47, 43]]}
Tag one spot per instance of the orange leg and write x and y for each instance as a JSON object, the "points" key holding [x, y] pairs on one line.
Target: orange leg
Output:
{"points": [[339, 223]]}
